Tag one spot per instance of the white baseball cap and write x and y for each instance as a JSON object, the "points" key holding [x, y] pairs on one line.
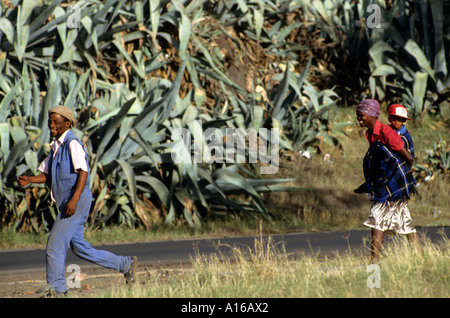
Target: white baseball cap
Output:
{"points": [[399, 111]]}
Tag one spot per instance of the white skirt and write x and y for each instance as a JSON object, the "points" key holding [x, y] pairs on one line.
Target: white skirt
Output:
{"points": [[391, 216]]}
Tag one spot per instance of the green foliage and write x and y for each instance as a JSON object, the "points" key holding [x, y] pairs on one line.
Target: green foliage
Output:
{"points": [[410, 56], [403, 60], [436, 160], [133, 72]]}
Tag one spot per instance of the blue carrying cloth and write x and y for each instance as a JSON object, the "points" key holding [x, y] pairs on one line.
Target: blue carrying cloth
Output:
{"points": [[388, 176], [407, 139]]}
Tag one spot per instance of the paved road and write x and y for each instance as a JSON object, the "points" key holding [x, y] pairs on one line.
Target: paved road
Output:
{"points": [[183, 251]]}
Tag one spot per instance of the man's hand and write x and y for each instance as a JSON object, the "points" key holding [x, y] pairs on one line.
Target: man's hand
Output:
{"points": [[71, 207], [23, 180]]}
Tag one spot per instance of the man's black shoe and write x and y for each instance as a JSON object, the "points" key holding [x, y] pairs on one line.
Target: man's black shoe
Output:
{"points": [[131, 275]]}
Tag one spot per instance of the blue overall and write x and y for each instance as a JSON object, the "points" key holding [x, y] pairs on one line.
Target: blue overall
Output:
{"points": [[70, 230]]}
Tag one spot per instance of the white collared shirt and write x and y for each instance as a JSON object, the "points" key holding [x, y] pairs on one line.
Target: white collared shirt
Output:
{"points": [[76, 150]]}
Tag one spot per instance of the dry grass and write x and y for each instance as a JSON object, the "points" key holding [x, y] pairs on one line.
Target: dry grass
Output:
{"points": [[265, 272]]}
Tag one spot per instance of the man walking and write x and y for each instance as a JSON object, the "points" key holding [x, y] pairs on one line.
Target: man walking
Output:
{"points": [[67, 171]]}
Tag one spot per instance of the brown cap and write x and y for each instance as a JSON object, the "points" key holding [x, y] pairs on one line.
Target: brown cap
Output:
{"points": [[63, 111]]}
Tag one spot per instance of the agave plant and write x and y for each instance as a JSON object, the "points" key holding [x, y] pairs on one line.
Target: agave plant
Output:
{"points": [[406, 53], [438, 157], [415, 54], [134, 72]]}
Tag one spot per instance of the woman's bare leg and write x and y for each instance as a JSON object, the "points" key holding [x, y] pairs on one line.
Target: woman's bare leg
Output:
{"points": [[377, 242]]}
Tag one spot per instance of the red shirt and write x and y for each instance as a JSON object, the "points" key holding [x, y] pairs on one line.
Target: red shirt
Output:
{"points": [[387, 135]]}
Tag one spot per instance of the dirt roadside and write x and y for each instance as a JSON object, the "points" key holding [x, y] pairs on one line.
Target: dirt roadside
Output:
{"points": [[93, 280]]}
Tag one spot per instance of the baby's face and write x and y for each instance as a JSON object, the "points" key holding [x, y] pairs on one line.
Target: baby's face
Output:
{"points": [[396, 122]]}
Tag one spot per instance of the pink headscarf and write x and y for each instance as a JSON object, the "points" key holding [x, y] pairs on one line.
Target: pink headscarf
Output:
{"points": [[369, 107]]}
